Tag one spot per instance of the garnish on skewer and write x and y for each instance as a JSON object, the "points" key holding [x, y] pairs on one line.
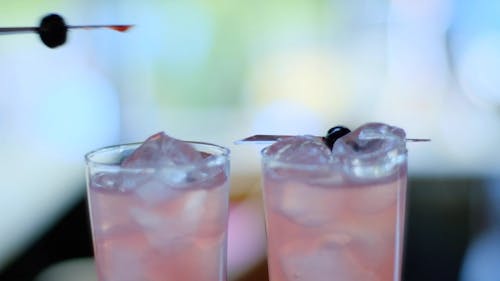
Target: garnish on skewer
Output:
{"points": [[53, 30], [331, 136]]}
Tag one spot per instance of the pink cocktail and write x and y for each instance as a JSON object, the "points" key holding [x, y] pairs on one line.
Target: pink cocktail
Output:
{"points": [[159, 210], [336, 214]]}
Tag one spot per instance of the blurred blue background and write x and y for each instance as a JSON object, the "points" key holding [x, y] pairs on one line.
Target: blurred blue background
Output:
{"points": [[220, 70]]}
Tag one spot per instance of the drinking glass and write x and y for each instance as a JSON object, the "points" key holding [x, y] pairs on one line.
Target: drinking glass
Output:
{"points": [[159, 223]]}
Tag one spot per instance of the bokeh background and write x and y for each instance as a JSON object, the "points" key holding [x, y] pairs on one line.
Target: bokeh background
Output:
{"points": [[220, 70]]}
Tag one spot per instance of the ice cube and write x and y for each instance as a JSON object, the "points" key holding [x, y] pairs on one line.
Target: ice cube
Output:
{"points": [[374, 150], [300, 150], [172, 162], [119, 180], [161, 150], [293, 200], [168, 234], [155, 192], [169, 227], [160, 159], [194, 205], [323, 261], [205, 211], [106, 180]]}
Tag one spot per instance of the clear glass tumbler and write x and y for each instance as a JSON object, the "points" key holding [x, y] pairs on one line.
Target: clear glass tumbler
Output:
{"points": [[341, 220], [159, 224]]}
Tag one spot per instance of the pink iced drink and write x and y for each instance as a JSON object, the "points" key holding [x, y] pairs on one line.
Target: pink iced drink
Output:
{"points": [[159, 213], [336, 215]]}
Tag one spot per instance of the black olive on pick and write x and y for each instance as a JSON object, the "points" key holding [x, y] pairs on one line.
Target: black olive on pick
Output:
{"points": [[334, 134], [53, 30]]}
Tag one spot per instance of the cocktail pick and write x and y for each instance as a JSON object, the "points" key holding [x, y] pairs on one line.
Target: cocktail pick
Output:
{"points": [[53, 30], [272, 138]]}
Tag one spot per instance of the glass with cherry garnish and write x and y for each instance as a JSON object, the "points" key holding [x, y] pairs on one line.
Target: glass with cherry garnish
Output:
{"points": [[335, 205]]}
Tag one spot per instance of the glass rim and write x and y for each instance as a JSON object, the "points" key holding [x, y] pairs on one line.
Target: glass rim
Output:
{"points": [[222, 153]]}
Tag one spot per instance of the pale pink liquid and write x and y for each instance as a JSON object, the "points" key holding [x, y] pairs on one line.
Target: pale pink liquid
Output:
{"points": [[337, 231], [181, 236]]}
